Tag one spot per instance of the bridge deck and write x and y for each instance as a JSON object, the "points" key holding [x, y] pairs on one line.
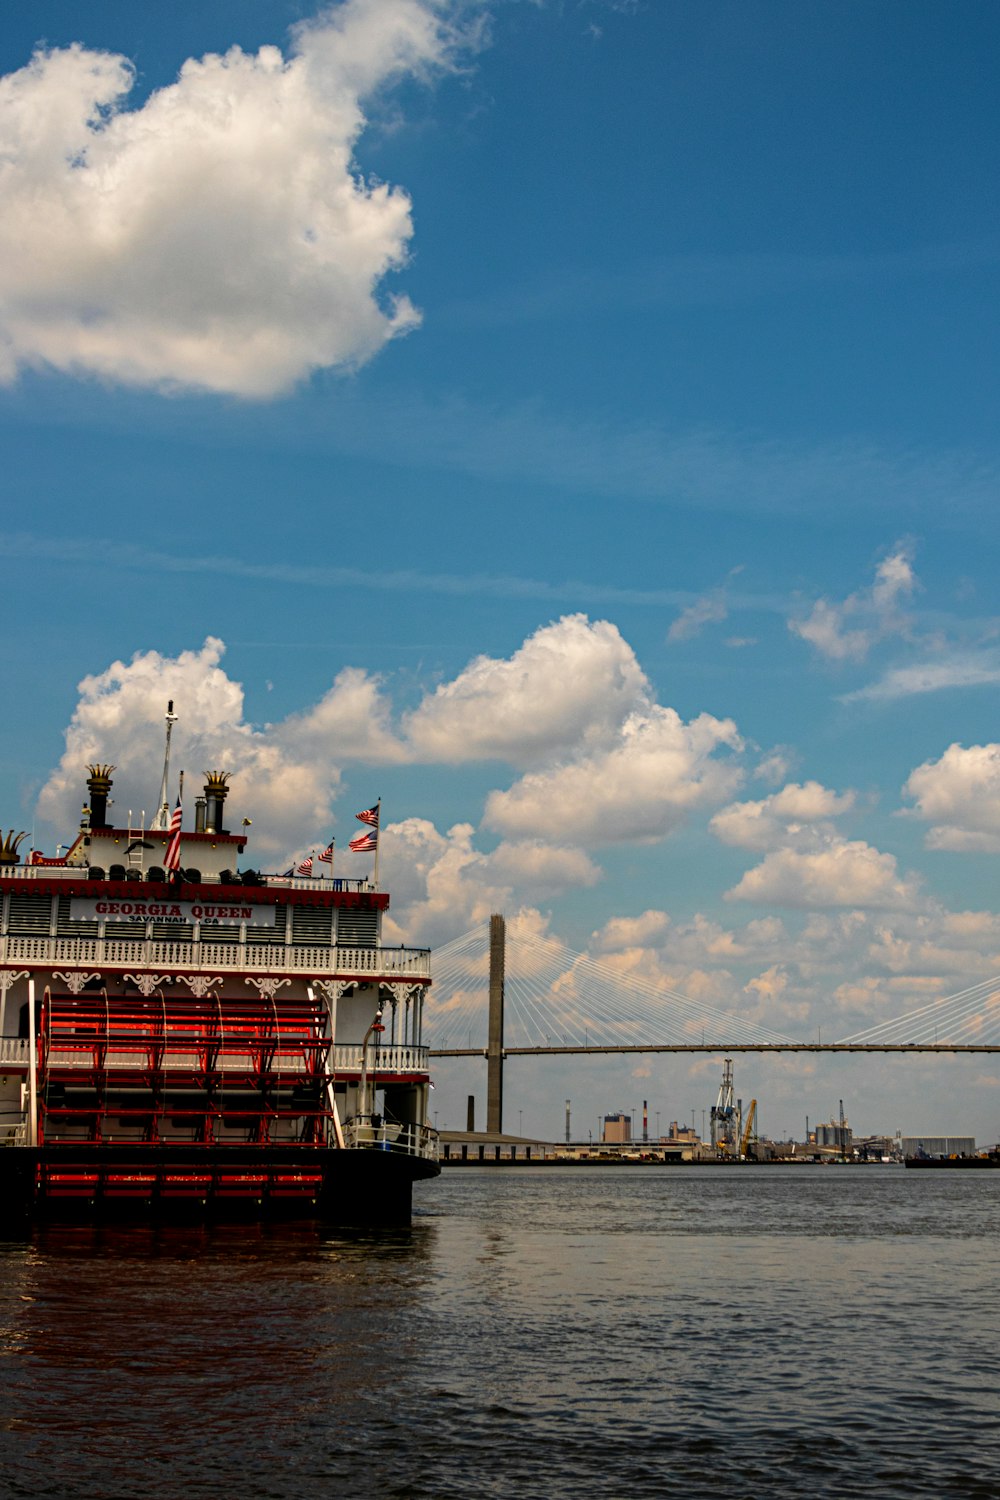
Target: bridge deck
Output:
{"points": [[716, 1047]]}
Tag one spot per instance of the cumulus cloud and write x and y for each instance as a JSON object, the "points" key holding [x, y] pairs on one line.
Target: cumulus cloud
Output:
{"points": [[775, 765], [354, 716], [220, 235], [788, 816], [571, 684], [959, 794], [442, 885], [621, 933], [847, 631], [659, 769], [842, 873], [285, 775]]}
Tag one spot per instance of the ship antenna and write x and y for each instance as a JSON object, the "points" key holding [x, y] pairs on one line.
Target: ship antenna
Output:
{"points": [[163, 816]]}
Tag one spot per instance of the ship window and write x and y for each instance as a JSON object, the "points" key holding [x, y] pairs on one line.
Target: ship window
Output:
{"points": [[183, 931], [357, 927], [130, 930], [67, 928], [311, 924], [30, 914]]}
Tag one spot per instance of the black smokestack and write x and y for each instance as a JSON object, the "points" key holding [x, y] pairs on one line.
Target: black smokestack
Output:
{"points": [[98, 786], [216, 792]]}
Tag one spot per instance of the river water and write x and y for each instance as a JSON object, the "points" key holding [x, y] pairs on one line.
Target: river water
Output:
{"points": [[749, 1332]]}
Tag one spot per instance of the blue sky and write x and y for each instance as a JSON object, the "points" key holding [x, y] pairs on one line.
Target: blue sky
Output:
{"points": [[698, 341]]}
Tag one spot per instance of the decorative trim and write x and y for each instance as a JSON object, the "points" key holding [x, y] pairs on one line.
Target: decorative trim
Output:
{"points": [[147, 983], [333, 990], [199, 984], [399, 991], [75, 980], [267, 987]]}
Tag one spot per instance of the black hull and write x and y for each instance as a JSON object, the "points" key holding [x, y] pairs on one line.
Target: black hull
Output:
{"points": [[191, 1184]]}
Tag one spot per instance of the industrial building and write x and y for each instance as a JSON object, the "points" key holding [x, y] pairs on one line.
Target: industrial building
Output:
{"points": [[939, 1145], [617, 1130]]}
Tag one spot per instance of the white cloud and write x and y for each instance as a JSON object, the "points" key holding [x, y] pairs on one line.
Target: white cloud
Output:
{"points": [[938, 675], [785, 817], [219, 236], [621, 933], [775, 765], [959, 794], [772, 997], [535, 871], [442, 885], [354, 717], [570, 684], [642, 788], [843, 873], [709, 610], [848, 630], [285, 775]]}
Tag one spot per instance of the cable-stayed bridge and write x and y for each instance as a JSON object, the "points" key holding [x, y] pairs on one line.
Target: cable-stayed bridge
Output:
{"points": [[555, 1001]]}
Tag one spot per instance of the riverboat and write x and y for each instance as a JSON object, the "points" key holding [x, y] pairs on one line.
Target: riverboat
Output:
{"points": [[182, 1039]]}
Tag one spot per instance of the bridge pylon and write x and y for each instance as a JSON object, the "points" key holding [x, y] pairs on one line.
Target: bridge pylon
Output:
{"points": [[494, 1047]]}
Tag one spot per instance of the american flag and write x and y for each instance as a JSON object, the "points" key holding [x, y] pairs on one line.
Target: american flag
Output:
{"points": [[327, 855], [172, 858], [306, 867], [364, 842], [369, 816]]}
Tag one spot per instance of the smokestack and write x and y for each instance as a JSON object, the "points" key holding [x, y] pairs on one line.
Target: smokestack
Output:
{"points": [[98, 786], [470, 1119], [216, 792], [8, 847], [567, 1122], [645, 1122], [200, 806]]}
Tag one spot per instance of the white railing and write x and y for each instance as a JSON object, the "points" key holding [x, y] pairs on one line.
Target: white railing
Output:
{"points": [[374, 1133], [347, 1058], [13, 1049], [14, 1135], [286, 882], [307, 883], [260, 958]]}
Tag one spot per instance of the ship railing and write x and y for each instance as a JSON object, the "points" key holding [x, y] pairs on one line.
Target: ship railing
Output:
{"points": [[376, 1133], [13, 1128], [343, 960], [13, 1049], [43, 872], [307, 883], [348, 1057]]}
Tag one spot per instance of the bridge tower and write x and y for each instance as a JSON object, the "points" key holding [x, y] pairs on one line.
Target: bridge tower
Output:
{"points": [[494, 1048]]}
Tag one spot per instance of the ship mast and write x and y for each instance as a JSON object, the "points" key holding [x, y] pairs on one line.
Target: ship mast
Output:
{"points": [[162, 819]]}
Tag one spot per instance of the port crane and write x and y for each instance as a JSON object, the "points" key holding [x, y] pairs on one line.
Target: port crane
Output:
{"points": [[748, 1129], [731, 1133], [726, 1115]]}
